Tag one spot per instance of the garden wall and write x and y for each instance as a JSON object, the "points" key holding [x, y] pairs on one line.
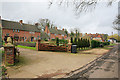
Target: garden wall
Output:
{"points": [[47, 47]]}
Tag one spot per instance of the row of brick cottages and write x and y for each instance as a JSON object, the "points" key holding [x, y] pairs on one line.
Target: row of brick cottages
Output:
{"points": [[26, 32]]}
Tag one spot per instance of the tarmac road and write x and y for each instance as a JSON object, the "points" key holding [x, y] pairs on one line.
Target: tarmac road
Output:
{"points": [[107, 66]]}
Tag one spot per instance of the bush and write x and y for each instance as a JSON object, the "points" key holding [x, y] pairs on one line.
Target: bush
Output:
{"points": [[52, 39], [75, 41], [106, 43], [63, 41], [45, 39], [82, 43], [95, 44], [57, 41], [71, 39]]}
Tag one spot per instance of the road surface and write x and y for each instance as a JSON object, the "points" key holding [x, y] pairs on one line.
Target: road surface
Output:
{"points": [[104, 67]]}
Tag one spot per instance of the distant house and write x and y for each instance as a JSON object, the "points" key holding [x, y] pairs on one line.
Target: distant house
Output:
{"points": [[112, 40], [98, 37], [55, 33]]}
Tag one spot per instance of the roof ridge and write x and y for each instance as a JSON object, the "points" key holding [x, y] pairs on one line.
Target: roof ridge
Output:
{"points": [[17, 22]]}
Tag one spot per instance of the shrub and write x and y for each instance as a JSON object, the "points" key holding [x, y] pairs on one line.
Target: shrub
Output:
{"points": [[57, 41], [71, 39], [52, 39], [88, 43], [63, 41], [95, 44], [75, 41], [79, 43], [45, 39]]}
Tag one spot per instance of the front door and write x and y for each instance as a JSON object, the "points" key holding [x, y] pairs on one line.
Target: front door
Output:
{"points": [[32, 39]]}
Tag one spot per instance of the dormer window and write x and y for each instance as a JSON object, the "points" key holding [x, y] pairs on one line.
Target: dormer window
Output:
{"points": [[16, 30], [13, 30]]}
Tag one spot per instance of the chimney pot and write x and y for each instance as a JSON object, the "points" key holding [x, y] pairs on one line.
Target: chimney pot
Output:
{"points": [[21, 21], [36, 24], [63, 29], [56, 28]]}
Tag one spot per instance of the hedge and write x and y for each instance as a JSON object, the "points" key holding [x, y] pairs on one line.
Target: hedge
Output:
{"points": [[95, 43], [81, 43], [52, 39]]}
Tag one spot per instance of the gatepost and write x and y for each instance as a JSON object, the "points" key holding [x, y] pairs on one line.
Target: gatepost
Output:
{"points": [[9, 52], [38, 45], [69, 45]]}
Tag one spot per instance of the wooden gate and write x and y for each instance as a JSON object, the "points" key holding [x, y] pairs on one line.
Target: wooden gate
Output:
{"points": [[49, 47]]}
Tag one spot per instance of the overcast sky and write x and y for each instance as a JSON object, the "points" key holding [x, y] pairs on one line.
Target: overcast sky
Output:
{"points": [[98, 20]]}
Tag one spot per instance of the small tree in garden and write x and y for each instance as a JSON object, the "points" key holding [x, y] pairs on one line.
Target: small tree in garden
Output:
{"points": [[75, 41], [88, 43], [79, 43], [71, 39], [57, 41], [84, 43]]}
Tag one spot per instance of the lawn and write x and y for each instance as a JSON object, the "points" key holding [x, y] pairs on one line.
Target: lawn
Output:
{"points": [[26, 47]]}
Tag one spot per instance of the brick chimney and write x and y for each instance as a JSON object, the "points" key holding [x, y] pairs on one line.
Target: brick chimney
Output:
{"points": [[36, 24], [63, 29], [56, 28], [21, 21]]}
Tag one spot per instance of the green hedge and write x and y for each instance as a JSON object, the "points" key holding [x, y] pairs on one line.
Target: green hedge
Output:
{"points": [[81, 43], [61, 41], [52, 39], [45, 39], [95, 43]]}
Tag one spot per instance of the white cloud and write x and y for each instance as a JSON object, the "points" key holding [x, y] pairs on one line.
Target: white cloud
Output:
{"points": [[99, 20]]}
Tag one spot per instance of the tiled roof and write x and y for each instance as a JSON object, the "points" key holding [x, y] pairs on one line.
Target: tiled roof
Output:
{"points": [[54, 31], [43, 35], [16, 25]]}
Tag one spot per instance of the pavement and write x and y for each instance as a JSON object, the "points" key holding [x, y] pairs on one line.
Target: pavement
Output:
{"points": [[106, 66]]}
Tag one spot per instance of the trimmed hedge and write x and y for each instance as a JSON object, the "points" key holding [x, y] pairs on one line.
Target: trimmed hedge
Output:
{"points": [[63, 41], [57, 41], [95, 43], [81, 43], [52, 39]]}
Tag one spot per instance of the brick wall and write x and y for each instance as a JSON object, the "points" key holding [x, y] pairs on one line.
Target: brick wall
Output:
{"points": [[46, 47], [24, 34]]}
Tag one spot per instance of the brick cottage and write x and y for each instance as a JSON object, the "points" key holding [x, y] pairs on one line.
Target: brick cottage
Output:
{"points": [[26, 32], [54, 32]]}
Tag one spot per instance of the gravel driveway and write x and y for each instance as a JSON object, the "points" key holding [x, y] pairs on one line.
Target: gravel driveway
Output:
{"points": [[48, 64]]}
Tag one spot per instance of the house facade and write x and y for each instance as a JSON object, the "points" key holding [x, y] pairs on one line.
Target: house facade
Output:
{"points": [[97, 36], [19, 31], [55, 33], [112, 40]]}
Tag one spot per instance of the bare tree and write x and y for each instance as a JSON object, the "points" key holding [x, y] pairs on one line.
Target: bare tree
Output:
{"points": [[79, 5], [116, 23]]}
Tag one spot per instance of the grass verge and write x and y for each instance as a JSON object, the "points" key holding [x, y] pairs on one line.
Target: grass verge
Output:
{"points": [[26, 47]]}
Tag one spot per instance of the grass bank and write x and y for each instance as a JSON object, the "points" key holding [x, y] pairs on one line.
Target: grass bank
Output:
{"points": [[26, 47]]}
